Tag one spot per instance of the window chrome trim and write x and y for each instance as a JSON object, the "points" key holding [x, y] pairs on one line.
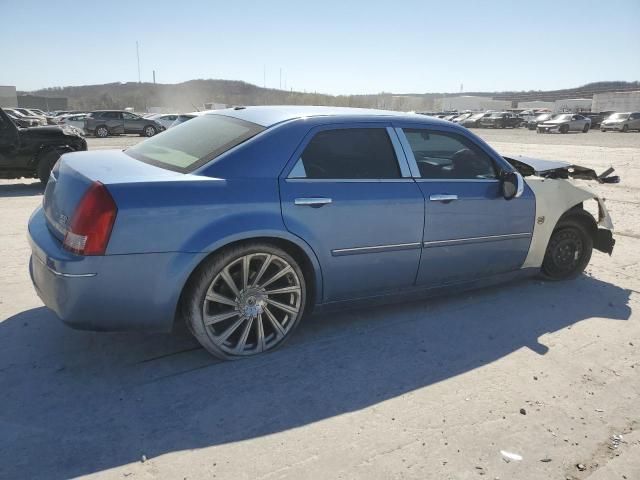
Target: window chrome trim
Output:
{"points": [[374, 249], [350, 180], [487, 238], [411, 159], [61, 274], [455, 180], [401, 158]]}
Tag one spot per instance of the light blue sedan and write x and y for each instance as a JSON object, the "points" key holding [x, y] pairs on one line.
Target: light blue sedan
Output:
{"points": [[240, 221]]}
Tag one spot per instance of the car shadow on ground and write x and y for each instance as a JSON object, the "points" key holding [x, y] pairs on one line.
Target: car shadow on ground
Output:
{"points": [[75, 403], [21, 189]]}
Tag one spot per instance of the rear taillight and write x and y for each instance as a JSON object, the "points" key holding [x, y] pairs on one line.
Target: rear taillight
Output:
{"points": [[92, 222]]}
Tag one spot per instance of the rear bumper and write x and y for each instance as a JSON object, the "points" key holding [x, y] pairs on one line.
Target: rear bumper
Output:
{"points": [[107, 293]]}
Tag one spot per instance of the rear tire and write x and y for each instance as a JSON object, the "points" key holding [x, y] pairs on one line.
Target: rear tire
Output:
{"points": [[245, 317], [46, 162], [102, 131], [568, 252]]}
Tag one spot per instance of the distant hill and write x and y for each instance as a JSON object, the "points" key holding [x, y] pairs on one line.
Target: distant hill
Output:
{"points": [[191, 95]]}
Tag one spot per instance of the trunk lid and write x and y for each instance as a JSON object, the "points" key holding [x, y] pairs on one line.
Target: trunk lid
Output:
{"points": [[74, 174]]}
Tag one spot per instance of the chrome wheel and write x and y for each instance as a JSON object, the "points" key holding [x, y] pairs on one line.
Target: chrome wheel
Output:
{"points": [[102, 132], [149, 131], [252, 304]]}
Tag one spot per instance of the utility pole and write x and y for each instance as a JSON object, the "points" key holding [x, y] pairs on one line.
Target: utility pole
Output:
{"points": [[138, 55], [154, 77], [264, 76]]}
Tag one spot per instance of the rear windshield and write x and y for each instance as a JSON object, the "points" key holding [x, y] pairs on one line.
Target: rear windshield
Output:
{"points": [[187, 146]]}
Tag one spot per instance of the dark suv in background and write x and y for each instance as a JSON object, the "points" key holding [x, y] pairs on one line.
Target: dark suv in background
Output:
{"points": [[32, 152], [103, 123]]}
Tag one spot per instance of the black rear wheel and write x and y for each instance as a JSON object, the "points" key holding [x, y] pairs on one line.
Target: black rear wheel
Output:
{"points": [[568, 252], [46, 162]]}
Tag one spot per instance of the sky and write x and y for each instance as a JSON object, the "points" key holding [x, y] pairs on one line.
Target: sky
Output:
{"points": [[328, 46]]}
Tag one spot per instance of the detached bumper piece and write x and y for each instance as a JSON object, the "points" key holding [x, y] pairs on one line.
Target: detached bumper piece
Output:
{"points": [[604, 241]]}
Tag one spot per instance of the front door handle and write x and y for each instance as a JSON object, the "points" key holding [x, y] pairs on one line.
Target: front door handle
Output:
{"points": [[315, 202], [441, 197]]}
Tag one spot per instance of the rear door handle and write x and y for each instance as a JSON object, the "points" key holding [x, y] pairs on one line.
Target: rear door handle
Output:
{"points": [[312, 201], [441, 197]]}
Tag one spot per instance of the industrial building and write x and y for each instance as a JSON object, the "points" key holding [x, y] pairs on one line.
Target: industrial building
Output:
{"points": [[470, 102], [8, 97], [616, 102], [573, 105], [47, 104]]}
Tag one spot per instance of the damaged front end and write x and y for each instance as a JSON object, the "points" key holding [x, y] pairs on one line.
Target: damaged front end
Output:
{"points": [[528, 166], [602, 230]]}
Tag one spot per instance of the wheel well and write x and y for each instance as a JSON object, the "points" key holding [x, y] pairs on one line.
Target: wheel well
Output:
{"points": [[291, 248], [579, 214], [48, 148]]}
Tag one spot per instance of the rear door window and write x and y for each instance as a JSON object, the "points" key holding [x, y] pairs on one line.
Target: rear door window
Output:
{"points": [[348, 154]]}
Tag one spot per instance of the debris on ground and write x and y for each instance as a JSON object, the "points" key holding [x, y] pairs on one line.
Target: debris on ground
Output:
{"points": [[545, 460], [581, 466], [509, 456], [523, 411], [616, 440]]}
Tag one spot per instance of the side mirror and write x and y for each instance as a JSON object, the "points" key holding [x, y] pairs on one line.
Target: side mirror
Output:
{"points": [[512, 185]]}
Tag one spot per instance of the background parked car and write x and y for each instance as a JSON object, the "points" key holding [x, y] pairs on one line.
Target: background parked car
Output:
{"points": [[461, 118], [564, 123], [165, 119], [543, 117], [185, 117], [22, 122], [75, 120], [622, 122], [35, 120], [474, 120], [32, 152], [501, 120], [103, 123]]}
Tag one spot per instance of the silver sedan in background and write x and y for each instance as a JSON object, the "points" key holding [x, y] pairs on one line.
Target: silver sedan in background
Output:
{"points": [[564, 123], [622, 122]]}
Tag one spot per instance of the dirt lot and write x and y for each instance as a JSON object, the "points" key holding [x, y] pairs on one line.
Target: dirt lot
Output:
{"points": [[433, 389]]}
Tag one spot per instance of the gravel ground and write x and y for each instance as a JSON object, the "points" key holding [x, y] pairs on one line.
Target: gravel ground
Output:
{"points": [[431, 389]]}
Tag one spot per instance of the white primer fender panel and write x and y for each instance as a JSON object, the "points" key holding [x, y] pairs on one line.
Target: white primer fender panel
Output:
{"points": [[553, 198]]}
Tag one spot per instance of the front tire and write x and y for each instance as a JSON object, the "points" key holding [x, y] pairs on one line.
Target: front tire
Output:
{"points": [[564, 129], [245, 300], [625, 128], [568, 252], [585, 129]]}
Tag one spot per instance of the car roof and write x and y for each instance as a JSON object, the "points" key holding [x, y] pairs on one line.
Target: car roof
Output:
{"points": [[267, 116]]}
